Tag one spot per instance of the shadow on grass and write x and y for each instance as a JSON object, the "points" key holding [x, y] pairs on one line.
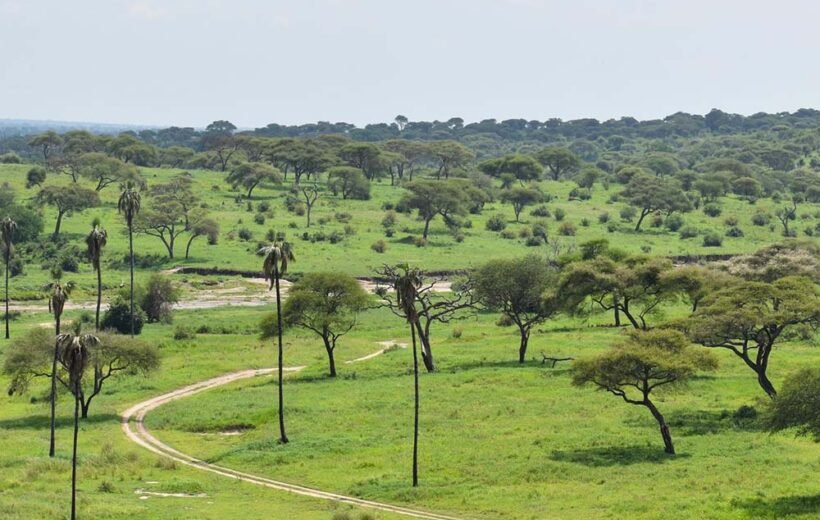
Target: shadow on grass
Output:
{"points": [[36, 422], [615, 456], [781, 507], [707, 422]]}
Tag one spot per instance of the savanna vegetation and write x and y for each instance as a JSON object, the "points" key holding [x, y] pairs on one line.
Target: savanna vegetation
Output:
{"points": [[514, 319]]}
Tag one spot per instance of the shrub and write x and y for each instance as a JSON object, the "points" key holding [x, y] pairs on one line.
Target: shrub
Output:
{"points": [[263, 207], [712, 210], [731, 221], [158, 297], [603, 218], [567, 229], [349, 230], [540, 211], [507, 234], [534, 241], [761, 219], [496, 223], [420, 242], [335, 237], [184, 332], [612, 227], [259, 218], [798, 404], [539, 229], [712, 240], [673, 222], [559, 214], [343, 218], [688, 232], [118, 317], [323, 220], [628, 213], [524, 232], [656, 221], [734, 231], [457, 332], [379, 246], [245, 234]]}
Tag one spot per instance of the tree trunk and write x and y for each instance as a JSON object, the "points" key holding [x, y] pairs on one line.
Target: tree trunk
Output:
{"points": [[85, 406], [522, 349], [426, 351], [330, 359], [52, 443], [131, 255], [640, 220], [283, 438], [57, 227], [416, 409], [616, 302], [426, 229], [8, 259], [99, 298], [665, 433], [74, 457], [188, 246], [766, 384]]}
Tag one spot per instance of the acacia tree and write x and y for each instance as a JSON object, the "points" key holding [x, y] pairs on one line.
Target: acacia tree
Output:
{"points": [[129, 205], [277, 256], [311, 195], [516, 288], [512, 168], [633, 286], [646, 361], [651, 193], [327, 304], [433, 198], [8, 228], [95, 242], [349, 182], [47, 142], [200, 226], [560, 161], [786, 214], [105, 170], [449, 156], [520, 197], [249, 175], [164, 220], [219, 139], [31, 357], [363, 156], [67, 200], [431, 306], [410, 154], [749, 318]]}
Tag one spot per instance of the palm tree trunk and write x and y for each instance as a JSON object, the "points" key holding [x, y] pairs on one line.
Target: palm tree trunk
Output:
{"points": [[51, 444], [282, 436], [74, 457], [8, 259], [131, 254], [416, 409], [99, 297]]}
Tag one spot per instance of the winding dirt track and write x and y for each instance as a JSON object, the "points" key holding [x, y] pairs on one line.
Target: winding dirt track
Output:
{"points": [[133, 424]]}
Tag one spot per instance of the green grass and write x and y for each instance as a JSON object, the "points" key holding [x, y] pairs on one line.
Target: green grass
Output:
{"points": [[498, 440]]}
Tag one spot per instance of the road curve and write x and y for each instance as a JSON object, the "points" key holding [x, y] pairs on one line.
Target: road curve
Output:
{"points": [[133, 425]]}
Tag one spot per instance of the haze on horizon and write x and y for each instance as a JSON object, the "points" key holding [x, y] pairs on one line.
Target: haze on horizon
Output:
{"points": [[188, 62]]}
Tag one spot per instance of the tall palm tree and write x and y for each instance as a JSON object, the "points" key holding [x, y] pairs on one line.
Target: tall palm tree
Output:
{"points": [[407, 284], [74, 355], [56, 303], [129, 207], [277, 255], [8, 228], [96, 241]]}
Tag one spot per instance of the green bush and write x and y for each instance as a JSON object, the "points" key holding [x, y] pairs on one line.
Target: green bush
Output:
{"points": [[118, 317], [496, 223], [712, 240], [559, 214], [798, 404], [673, 222], [712, 210], [379, 246]]}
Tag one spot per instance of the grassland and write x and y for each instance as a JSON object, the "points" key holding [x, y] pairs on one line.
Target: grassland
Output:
{"points": [[498, 440]]}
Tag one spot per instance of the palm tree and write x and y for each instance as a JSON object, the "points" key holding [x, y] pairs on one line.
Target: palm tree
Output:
{"points": [[96, 241], [407, 285], [59, 295], [129, 207], [277, 255], [8, 227], [74, 354]]}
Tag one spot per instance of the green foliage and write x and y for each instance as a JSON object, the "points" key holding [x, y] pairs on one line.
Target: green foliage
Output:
{"points": [[118, 317], [798, 404]]}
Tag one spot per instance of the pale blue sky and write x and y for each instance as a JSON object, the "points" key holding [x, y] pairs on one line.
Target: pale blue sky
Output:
{"points": [[188, 62]]}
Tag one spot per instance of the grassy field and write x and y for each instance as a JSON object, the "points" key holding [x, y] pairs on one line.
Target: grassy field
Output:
{"points": [[498, 440], [354, 255]]}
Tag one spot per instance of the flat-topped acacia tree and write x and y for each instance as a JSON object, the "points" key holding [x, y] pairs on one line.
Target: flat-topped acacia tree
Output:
{"points": [[277, 256], [648, 360]]}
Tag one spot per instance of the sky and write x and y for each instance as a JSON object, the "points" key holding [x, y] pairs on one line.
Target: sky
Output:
{"points": [[189, 62]]}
